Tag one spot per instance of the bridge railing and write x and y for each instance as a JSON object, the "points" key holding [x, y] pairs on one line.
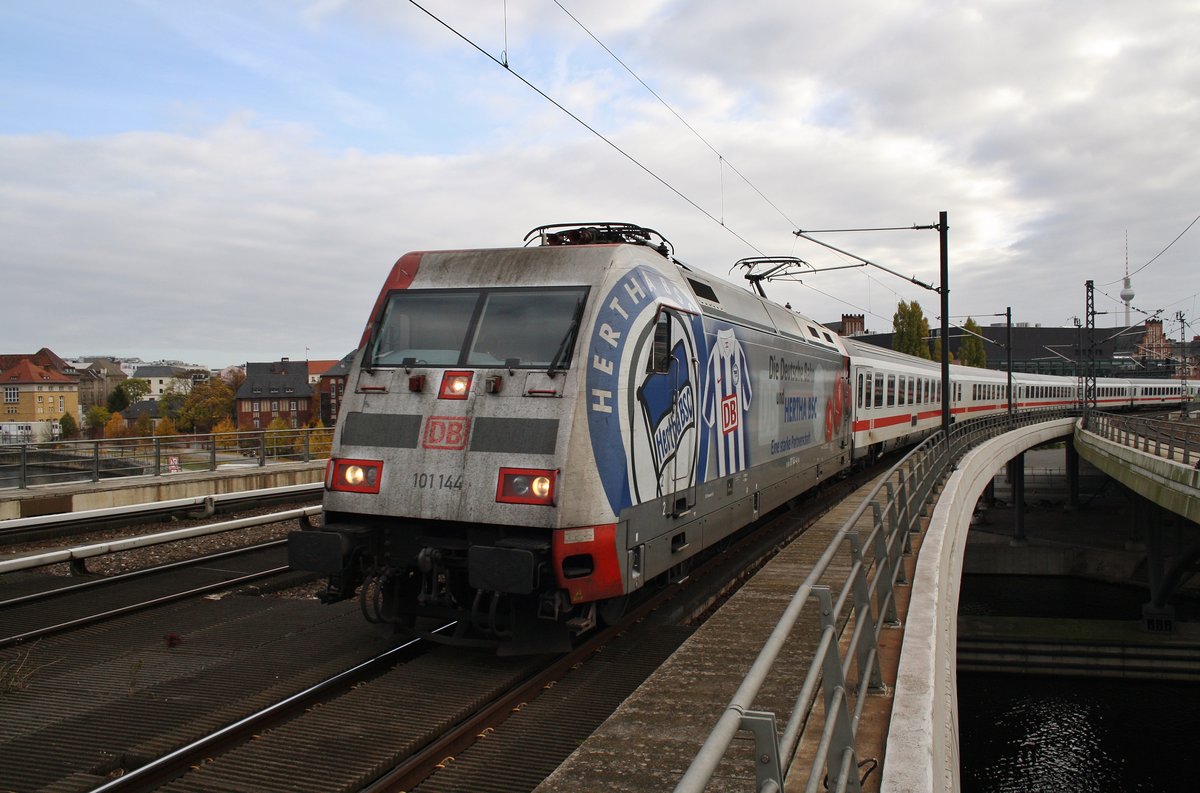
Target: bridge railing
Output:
{"points": [[1174, 440], [892, 510], [25, 464]]}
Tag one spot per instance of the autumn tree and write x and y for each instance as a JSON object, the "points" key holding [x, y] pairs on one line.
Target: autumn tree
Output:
{"points": [[205, 405], [116, 426], [143, 426], [910, 329], [226, 430], [971, 352], [281, 439], [166, 426]]}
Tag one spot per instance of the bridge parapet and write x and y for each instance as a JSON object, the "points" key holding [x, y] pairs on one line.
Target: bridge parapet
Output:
{"points": [[844, 667], [1159, 460]]}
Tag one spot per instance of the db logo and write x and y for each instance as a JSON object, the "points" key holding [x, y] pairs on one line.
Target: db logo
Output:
{"points": [[446, 432], [729, 414]]}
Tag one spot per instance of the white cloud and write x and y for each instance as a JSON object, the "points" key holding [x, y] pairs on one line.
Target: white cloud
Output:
{"points": [[1045, 131]]}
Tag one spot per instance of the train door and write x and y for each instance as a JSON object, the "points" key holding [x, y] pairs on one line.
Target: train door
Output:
{"points": [[673, 367]]}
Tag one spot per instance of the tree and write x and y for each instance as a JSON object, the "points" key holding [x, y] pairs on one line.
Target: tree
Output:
{"points": [[205, 405], [67, 427], [128, 392], [280, 438], [116, 426], [170, 402], [166, 426], [971, 352], [143, 427], [910, 329], [95, 419], [135, 388], [937, 349], [225, 427]]}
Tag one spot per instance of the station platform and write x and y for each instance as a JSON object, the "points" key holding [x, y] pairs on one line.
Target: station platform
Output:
{"points": [[649, 742], [119, 492]]}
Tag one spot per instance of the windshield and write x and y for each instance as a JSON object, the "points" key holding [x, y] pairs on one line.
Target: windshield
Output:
{"points": [[521, 327]]}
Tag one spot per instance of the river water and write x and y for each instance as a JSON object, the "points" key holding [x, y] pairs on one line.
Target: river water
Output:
{"points": [[1023, 734]]}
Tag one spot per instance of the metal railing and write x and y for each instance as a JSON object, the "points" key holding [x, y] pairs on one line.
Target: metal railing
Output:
{"points": [[892, 510], [1174, 440], [55, 462]]}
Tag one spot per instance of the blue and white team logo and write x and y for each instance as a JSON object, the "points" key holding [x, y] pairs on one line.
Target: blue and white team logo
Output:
{"points": [[644, 425]]}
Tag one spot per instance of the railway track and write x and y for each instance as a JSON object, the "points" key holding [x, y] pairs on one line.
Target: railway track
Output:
{"points": [[58, 604], [442, 718], [104, 701]]}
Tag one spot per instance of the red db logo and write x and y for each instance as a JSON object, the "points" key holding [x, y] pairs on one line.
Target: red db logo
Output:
{"points": [[446, 432]]}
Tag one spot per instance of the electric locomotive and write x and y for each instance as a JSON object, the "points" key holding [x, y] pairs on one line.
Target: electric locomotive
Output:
{"points": [[530, 435]]}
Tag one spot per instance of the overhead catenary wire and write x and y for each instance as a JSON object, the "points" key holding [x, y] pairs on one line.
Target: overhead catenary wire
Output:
{"points": [[646, 169], [1160, 253], [682, 120], [504, 63]]}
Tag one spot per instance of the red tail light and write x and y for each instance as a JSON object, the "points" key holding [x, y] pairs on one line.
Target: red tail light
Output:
{"points": [[526, 486], [354, 476]]}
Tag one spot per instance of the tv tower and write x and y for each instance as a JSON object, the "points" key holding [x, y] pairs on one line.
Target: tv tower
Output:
{"points": [[1127, 290]]}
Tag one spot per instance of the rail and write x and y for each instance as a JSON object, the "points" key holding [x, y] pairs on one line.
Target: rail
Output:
{"points": [[24, 464], [896, 503], [1174, 440], [81, 552]]}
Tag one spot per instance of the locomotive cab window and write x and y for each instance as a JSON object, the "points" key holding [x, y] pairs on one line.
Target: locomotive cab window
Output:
{"points": [[660, 350], [517, 328]]}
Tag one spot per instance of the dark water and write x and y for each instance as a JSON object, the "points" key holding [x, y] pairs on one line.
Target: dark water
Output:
{"points": [[1061, 734], [1070, 735]]}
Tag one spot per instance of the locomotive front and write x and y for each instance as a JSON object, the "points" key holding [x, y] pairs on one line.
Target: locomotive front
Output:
{"points": [[454, 490]]}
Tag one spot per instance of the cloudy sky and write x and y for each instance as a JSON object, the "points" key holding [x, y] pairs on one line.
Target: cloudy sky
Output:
{"points": [[231, 181]]}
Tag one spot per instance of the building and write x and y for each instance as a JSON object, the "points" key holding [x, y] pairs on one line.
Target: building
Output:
{"points": [[164, 378], [35, 400], [278, 390], [333, 389], [1140, 351], [97, 379]]}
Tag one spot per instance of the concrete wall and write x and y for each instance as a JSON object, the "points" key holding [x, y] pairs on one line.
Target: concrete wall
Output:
{"points": [[52, 499], [1170, 484], [922, 749]]}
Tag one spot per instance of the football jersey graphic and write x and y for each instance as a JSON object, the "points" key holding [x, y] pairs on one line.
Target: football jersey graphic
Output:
{"points": [[726, 400]]}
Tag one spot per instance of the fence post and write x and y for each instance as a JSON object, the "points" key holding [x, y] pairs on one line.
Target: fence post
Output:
{"points": [[307, 441], [157, 456], [23, 476], [96, 461], [212, 452], [262, 449]]}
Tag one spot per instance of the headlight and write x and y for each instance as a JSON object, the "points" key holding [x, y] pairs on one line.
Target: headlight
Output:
{"points": [[526, 486], [355, 476]]}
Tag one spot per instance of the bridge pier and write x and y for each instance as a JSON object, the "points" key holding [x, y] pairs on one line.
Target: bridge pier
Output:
{"points": [[1072, 476], [1016, 476]]}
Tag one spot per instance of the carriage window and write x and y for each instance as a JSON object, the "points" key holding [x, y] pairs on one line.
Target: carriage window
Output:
{"points": [[878, 390], [525, 328], [900, 392], [891, 390], [910, 391], [862, 390]]}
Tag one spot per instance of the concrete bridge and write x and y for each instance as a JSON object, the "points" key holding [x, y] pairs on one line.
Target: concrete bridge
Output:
{"points": [[1158, 460]]}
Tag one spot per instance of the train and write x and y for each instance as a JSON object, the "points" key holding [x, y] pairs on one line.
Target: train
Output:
{"points": [[530, 436]]}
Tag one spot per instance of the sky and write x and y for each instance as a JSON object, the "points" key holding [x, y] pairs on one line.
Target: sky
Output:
{"points": [[224, 182]]}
